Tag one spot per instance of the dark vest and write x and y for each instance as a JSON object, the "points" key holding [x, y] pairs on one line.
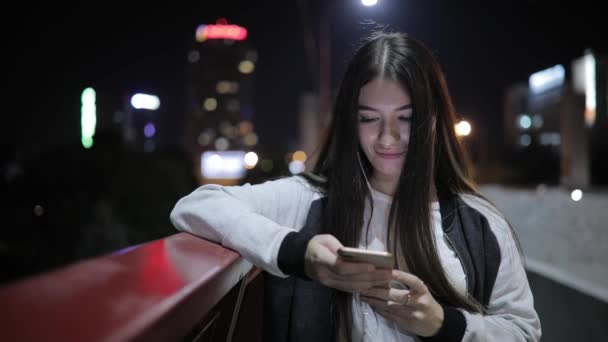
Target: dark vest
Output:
{"points": [[296, 309]]}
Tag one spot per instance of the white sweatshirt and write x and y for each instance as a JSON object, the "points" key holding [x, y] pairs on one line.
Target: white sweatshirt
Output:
{"points": [[254, 219]]}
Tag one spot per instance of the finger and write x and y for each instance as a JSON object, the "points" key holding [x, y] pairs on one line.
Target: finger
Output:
{"points": [[358, 285], [413, 282], [360, 271], [352, 286], [391, 308], [377, 292], [342, 267], [399, 309], [369, 280], [395, 295]]}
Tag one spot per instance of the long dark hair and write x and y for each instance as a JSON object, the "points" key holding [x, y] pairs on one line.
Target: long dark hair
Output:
{"points": [[399, 57]]}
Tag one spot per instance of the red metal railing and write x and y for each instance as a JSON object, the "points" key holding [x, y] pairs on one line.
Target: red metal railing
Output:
{"points": [[173, 289]]}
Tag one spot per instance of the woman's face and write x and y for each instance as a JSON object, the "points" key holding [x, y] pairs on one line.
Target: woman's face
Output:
{"points": [[384, 112]]}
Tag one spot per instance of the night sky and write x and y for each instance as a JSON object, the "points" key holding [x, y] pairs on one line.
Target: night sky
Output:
{"points": [[54, 51]]}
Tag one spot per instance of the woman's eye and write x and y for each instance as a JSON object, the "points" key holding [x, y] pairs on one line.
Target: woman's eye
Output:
{"points": [[364, 119], [405, 118]]}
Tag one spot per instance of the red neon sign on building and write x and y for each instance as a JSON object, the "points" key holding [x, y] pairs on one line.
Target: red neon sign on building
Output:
{"points": [[221, 30]]}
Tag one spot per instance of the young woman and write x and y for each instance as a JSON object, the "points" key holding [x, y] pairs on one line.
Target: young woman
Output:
{"points": [[391, 177]]}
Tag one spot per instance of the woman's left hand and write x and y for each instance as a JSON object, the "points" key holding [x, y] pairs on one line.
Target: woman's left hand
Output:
{"points": [[414, 310]]}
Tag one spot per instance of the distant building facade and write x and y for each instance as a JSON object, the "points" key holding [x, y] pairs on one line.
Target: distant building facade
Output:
{"points": [[555, 123]]}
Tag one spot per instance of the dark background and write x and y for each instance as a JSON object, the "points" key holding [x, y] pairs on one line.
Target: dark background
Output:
{"points": [[61, 203]]}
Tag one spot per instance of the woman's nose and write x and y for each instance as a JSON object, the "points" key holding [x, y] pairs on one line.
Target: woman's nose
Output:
{"points": [[389, 133]]}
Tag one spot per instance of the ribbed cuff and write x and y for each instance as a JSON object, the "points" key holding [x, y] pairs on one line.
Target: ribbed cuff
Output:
{"points": [[453, 327], [291, 254]]}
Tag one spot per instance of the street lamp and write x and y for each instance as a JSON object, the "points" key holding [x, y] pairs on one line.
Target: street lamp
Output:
{"points": [[369, 2], [463, 128]]}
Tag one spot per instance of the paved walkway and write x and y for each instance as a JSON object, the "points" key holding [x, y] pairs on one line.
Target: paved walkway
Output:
{"points": [[564, 240]]}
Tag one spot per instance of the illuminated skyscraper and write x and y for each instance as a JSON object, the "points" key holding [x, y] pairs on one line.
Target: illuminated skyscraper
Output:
{"points": [[221, 65]]}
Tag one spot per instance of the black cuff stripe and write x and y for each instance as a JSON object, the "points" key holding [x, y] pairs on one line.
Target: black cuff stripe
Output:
{"points": [[453, 327], [291, 254]]}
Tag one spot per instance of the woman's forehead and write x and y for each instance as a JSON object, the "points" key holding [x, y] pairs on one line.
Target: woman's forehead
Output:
{"points": [[384, 91]]}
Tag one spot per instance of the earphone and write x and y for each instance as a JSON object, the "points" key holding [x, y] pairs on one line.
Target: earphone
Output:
{"points": [[363, 171], [393, 284]]}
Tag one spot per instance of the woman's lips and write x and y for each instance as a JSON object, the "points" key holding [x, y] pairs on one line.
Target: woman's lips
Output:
{"points": [[390, 155]]}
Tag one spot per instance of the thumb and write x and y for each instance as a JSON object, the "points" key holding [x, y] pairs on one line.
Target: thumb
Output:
{"points": [[330, 242]]}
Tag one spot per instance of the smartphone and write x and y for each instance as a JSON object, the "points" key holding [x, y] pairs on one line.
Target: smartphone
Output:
{"points": [[378, 259]]}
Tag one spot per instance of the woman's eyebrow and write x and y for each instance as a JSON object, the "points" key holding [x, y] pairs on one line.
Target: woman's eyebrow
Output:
{"points": [[404, 107]]}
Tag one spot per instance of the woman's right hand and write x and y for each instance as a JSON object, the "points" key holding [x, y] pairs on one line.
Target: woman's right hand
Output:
{"points": [[323, 264]]}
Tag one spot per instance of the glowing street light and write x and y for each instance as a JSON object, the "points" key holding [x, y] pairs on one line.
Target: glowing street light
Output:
{"points": [[299, 155], [88, 116], [369, 2], [250, 159], [576, 195], [145, 101], [463, 128]]}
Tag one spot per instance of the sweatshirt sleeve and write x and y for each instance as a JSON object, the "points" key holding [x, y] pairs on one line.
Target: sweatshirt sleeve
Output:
{"points": [[250, 219], [510, 315]]}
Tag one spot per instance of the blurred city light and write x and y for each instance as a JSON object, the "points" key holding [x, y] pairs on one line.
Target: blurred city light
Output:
{"points": [[227, 87], [88, 116], [205, 138], [223, 164], [213, 161], [590, 95], [547, 79], [210, 104], [369, 2], [251, 160], [246, 67], [221, 144], [226, 128], [250, 139], [296, 166], [525, 121], [245, 127], [149, 130], [525, 140], [463, 128], [299, 155], [145, 101], [576, 195], [220, 31]]}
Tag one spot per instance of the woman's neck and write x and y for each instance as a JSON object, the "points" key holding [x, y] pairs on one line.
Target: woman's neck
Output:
{"points": [[389, 186], [385, 186]]}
